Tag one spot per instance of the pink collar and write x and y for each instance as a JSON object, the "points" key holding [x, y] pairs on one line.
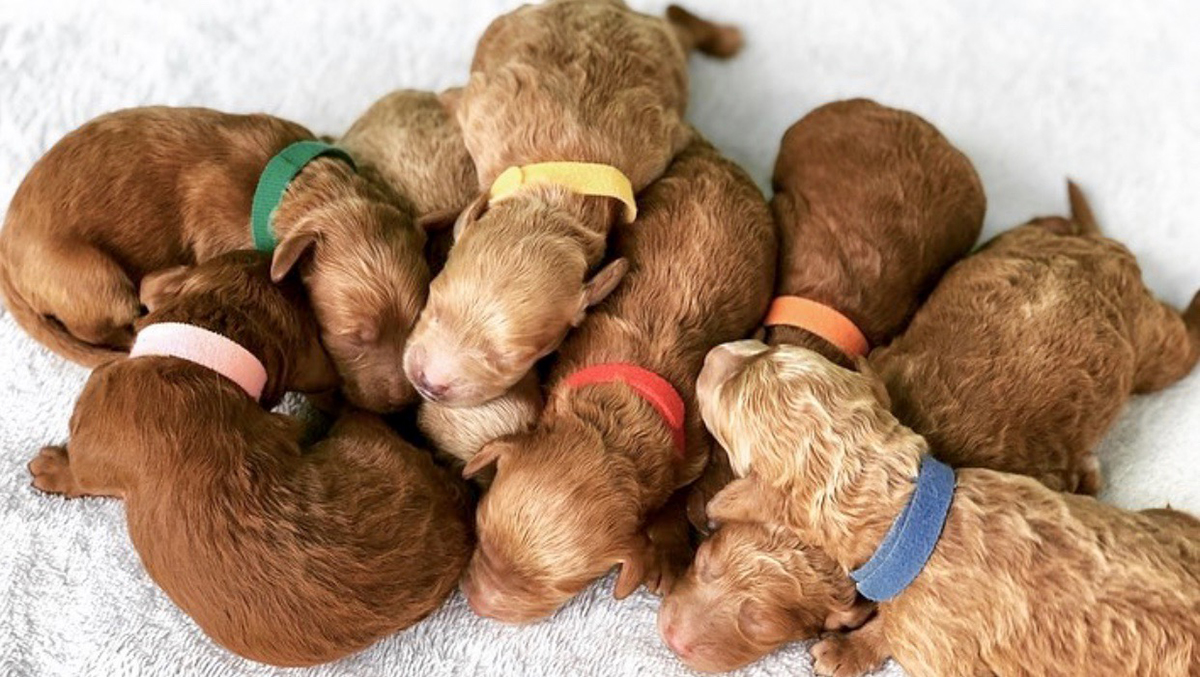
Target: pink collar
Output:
{"points": [[652, 387], [205, 348]]}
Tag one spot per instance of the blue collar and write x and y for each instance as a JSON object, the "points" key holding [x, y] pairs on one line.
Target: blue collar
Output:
{"points": [[910, 541]]}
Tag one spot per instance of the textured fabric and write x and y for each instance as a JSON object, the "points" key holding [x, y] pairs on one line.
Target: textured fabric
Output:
{"points": [[205, 348], [819, 319], [912, 538], [585, 178], [650, 386], [1100, 90], [274, 181]]}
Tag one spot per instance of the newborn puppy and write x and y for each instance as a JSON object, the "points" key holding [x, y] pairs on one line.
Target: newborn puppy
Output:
{"points": [[281, 554], [411, 141], [591, 485], [1005, 316], [137, 192], [460, 432], [873, 204], [581, 102], [1020, 579], [1057, 323]]}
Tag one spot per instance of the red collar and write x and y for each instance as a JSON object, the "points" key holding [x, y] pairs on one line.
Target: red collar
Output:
{"points": [[652, 387]]}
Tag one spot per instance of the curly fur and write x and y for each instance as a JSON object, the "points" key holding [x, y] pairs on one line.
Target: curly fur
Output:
{"points": [[591, 486], [565, 80]]}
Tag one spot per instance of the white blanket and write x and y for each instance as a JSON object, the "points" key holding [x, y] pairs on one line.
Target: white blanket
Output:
{"points": [[1105, 92]]}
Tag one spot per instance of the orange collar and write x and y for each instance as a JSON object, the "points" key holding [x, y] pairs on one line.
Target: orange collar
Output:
{"points": [[819, 319], [649, 385]]}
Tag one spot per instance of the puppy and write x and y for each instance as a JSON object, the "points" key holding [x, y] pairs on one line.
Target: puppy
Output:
{"points": [[1056, 321], [460, 432], [873, 204], [411, 140], [1020, 580], [591, 485], [137, 192], [588, 83], [1005, 316], [281, 554]]}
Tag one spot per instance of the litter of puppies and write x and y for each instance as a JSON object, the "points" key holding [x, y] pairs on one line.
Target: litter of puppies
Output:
{"points": [[820, 417]]}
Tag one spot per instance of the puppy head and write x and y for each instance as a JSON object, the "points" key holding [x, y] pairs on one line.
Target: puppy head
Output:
{"points": [[788, 413], [463, 431], [513, 286], [233, 295], [554, 519], [752, 588], [367, 283]]}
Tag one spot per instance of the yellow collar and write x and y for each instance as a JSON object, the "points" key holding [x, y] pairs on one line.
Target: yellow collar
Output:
{"points": [[584, 178]]}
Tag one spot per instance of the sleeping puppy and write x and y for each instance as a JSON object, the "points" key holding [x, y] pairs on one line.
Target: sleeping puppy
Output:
{"points": [[1076, 586], [282, 554], [138, 192], [413, 141], [591, 485], [570, 104], [1055, 320], [873, 204], [1006, 316]]}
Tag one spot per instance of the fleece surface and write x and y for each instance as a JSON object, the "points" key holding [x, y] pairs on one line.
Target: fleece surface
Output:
{"points": [[1105, 92]]}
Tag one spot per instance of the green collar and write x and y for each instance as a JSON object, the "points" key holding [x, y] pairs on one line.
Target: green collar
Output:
{"points": [[274, 181]]}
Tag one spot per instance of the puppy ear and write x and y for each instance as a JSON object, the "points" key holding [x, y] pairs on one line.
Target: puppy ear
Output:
{"points": [[632, 567], [288, 252], [490, 453], [161, 285], [470, 215], [877, 385], [601, 285], [744, 500]]}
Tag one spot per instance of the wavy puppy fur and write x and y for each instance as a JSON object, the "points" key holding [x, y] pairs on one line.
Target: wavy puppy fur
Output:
{"points": [[1076, 585], [873, 204], [591, 486], [138, 192], [282, 554], [1007, 316], [566, 80]]}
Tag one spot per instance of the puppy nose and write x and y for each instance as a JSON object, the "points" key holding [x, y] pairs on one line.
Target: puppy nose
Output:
{"points": [[429, 390], [675, 642], [479, 601]]}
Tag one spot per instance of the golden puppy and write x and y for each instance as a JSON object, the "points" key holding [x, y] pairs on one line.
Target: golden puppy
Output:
{"points": [[591, 486], [1006, 316], [411, 140], [460, 432], [588, 83], [873, 204], [1020, 579], [282, 554], [137, 192]]}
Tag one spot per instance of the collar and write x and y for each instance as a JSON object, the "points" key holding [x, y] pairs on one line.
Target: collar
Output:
{"points": [[819, 319], [274, 181], [911, 539], [205, 348], [649, 385], [584, 178]]}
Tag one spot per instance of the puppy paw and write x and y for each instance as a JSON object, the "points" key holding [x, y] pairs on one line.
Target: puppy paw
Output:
{"points": [[664, 566], [843, 656], [51, 472]]}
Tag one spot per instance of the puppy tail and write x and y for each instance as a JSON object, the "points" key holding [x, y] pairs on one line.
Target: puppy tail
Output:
{"points": [[700, 34], [1081, 212], [48, 331], [1191, 319]]}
